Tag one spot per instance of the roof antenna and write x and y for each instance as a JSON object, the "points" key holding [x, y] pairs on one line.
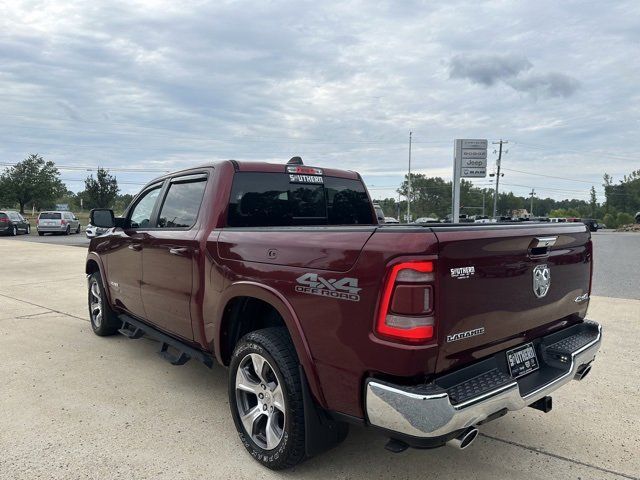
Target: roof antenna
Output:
{"points": [[295, 161]]}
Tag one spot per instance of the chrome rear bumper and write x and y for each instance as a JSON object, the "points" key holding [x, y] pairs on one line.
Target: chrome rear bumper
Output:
{"points": [[427, 411]]}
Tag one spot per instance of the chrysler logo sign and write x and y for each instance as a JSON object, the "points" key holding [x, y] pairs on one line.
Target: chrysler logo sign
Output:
{"points": [[541, 280]]}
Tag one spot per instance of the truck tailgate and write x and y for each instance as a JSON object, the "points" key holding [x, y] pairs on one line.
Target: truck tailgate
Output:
{"points": [[486, 300]]}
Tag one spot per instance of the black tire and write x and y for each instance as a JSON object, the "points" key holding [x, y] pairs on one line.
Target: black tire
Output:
{"points": [[28, 231], [275, 346], [107, 323], [41, 234], [68, 230], [14, 231], [78, 229]]}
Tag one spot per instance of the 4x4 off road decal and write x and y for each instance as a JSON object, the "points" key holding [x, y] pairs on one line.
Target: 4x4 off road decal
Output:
{"points": [[342, 289]]}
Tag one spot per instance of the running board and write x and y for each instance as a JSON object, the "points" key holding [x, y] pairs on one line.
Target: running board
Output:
{"points": [[134, 329]]}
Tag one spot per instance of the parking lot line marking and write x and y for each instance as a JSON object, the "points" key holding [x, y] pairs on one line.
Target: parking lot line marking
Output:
{"points": [[559, 457]]}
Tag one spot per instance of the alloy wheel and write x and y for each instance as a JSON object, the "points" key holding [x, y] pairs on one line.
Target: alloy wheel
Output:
{"points": [[96, 304], [260, 401]]}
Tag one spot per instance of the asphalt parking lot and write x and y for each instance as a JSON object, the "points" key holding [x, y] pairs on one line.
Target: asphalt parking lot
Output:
{"points": [[73, 405]]}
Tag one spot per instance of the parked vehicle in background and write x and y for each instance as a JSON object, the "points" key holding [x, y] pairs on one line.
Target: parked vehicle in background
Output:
{"points": [[602, 226], [92, 231], [13, 223], [390, 220], [426, 220], [324, 317], [379, 213], [591, 224], [638, 217], [62, 222], [557, 220]]}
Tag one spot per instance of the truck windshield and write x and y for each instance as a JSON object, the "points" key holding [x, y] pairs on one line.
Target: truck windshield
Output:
{"points": [[273, 199]]}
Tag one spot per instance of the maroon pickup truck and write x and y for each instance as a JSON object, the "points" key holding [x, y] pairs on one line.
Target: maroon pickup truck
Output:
{"points": [[325, 318]]}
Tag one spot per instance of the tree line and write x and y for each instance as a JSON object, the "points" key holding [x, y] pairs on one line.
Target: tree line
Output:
{"points": [[431, 197], [35, 183]]}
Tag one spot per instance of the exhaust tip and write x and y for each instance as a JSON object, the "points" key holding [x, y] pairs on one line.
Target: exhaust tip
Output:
{"points": [[465, 439], [582, 372]]}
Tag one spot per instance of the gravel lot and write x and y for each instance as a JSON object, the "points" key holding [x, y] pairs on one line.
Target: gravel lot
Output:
{"points": [[77, 406]]}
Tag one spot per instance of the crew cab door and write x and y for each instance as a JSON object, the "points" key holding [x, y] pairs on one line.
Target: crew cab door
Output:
{"points": [[170, 251], [124, 254]]}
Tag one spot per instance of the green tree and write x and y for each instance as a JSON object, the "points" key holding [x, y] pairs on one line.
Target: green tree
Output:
{"points": [[31, 181], [623, 196], [593, 201], [564, 213], [428, 195], [610, 221], [122, 202], [100, 192], [624, 218]]}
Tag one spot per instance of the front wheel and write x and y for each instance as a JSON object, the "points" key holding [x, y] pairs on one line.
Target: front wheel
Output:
{"points": [[68, 230], [103, 320], [78, 229], [28, 232], [265, 395], [14, 231]]}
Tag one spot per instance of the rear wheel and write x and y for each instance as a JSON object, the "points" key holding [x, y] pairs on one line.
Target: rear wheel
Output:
{"points": [[68, 230], [41, 234], [265, 395], [103, 320], [14, 231]]}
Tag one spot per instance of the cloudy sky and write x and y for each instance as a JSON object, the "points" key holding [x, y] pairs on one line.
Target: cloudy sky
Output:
{"points": [[154, 86]]}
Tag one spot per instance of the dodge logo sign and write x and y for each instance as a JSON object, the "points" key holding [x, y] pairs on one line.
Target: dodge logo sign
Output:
{"points": [[541, 280]]}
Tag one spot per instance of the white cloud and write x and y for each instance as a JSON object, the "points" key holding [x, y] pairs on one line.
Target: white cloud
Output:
{"points": [[340, 83]]}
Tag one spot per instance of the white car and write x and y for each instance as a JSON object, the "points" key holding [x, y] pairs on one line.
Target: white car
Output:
{"points": [[426, 220], [93, 232], [390, 220]]}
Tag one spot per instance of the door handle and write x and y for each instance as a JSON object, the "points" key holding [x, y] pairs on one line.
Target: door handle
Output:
{"points": [[180, 251], [135, 246]]}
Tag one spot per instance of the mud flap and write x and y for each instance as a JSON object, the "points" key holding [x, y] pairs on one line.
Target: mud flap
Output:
{"points": [[320, 431]]}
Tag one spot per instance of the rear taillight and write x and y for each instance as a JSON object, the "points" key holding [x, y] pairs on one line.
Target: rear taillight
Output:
{"points": [[63, 222], [4, 220], [406, 312]]}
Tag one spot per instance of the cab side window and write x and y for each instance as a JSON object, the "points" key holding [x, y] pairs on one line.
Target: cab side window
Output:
{"points": [[182, 203], [140, 216]]}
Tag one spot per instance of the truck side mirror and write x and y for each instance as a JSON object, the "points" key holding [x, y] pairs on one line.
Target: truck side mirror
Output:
{"points": [[102, 217]]}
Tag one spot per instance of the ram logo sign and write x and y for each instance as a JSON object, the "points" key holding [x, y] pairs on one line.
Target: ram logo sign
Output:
{"points": [[339, 288]]}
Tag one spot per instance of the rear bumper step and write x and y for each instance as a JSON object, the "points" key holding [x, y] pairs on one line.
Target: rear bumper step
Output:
{"points": [[473, 394]]}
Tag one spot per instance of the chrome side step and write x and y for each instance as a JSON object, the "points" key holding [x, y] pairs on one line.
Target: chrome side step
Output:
{"points": [[134, 329]]}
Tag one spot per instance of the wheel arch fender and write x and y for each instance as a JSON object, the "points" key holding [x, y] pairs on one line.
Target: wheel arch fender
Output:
{"points": [[278, 301], [94, 264]]}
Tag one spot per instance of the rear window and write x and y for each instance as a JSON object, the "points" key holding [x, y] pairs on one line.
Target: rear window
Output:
{"points": [[50, 216], [272, 200]]}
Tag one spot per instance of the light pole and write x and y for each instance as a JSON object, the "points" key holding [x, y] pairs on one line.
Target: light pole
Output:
{"points": [[495, 195], [409, 183]]}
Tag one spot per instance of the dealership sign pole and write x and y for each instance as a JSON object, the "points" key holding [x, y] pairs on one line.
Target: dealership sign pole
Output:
{"points": [[469, 161]]}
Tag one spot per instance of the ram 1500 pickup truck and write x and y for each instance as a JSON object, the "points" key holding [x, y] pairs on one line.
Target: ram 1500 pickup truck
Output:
{"points": [[325, 318]]}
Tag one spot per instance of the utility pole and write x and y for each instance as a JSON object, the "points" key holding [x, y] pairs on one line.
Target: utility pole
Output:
{"points": [[409, 183], [533, 192], [495, 195]]}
